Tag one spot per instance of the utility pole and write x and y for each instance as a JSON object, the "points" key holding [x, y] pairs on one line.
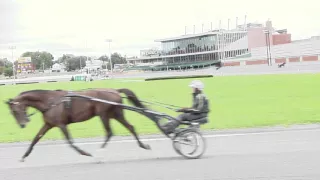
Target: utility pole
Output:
{"points": [[109, 41], [13, 65], [269, 58], [86, 45]]}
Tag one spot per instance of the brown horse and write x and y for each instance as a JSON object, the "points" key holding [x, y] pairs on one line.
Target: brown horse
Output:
{"points": [[59, 111]]}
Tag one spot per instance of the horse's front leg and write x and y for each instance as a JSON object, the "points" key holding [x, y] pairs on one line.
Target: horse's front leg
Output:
{"points": [[36, 139], [67, 136]]}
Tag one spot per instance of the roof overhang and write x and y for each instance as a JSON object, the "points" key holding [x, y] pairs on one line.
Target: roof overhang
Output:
{"points": [[187, 36]]}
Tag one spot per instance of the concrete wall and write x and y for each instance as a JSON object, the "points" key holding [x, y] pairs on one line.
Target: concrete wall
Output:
{"points": [[253, 61], [294, 49]]}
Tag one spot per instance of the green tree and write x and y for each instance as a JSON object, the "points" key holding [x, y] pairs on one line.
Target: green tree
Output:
{"points": [[73, 62], [116, 58], [40, 59], [8, 72], [64, 58], [104, 58], [5, 62], [1, 66]]}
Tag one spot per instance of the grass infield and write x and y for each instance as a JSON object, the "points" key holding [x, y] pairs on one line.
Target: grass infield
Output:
{"points": [[235, 102]]}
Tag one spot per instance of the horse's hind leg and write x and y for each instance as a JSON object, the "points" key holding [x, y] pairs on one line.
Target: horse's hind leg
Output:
{"points": [[67, 135], [106, 123], [118, 114]]}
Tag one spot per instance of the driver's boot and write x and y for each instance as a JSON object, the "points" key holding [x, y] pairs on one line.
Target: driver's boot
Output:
{"points": [[170, 127], [167, 128]]}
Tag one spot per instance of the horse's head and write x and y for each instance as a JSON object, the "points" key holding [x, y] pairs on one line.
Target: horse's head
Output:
{"points": [[18, 110], [38, 99]]}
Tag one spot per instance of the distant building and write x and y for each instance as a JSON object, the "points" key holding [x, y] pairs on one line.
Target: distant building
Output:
{"points": [[246, 44], [93, 66], [58, 67]]}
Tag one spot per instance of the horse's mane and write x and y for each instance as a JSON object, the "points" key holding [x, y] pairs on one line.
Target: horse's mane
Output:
{"points": [[38, 91], [45, 91]]}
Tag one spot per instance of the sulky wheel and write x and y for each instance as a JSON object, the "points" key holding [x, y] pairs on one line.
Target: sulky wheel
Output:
{"points": [[193, 141]]}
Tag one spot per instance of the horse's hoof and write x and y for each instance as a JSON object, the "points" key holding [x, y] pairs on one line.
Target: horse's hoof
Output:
{"points": [[22, 160], [99, 162], [86, 154], [147, 147]]}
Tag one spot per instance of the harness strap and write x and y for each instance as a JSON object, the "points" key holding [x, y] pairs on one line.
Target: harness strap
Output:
{"points": [[67, 104], [66, 101]]}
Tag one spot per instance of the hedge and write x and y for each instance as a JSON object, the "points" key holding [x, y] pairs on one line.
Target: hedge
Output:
{"points": [[178, 77], [27, 82]]}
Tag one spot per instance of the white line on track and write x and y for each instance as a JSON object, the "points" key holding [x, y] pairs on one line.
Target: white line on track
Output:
{"points": [[166, 139]]}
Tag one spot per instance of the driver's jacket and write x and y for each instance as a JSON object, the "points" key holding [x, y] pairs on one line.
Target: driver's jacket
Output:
{"points": [[200, 103]]}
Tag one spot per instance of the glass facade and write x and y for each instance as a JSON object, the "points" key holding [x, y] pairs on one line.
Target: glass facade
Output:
{"points": [[216, 56], [208, 48], [190, 45], [195, 58], [199, 44]]}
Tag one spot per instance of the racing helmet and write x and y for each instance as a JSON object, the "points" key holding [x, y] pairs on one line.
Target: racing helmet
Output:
{"points": [[197, 84]]}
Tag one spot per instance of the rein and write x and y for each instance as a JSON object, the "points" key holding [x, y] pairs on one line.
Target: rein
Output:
{"points": [[167, 106], [55, 103]]}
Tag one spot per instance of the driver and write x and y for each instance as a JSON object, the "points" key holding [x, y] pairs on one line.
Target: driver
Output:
{"points": [[199, 109]]}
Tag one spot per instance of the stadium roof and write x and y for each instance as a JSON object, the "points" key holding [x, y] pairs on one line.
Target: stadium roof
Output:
{"points": [[197, 35]]}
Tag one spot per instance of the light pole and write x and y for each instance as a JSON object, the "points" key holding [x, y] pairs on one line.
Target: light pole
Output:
{"points": [[86, 49], [13, 66], [109, 41], [269, 58]]}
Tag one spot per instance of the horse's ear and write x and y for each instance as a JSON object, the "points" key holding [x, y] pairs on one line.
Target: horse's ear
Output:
{"points": [[8, 101]]}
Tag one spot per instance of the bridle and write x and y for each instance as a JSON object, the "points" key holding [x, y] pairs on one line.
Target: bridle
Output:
{"points": [[51, 105], [19, 111]]}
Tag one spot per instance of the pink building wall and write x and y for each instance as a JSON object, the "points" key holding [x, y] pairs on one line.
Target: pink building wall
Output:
{"points": [[257, 37], [281, 39]]}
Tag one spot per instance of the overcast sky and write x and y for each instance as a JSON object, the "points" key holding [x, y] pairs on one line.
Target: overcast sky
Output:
{"points": [[63, 26]]}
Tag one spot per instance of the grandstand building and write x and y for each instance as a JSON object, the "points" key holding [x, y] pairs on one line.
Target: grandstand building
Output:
{"points": [[247, 44], [194, 50]]}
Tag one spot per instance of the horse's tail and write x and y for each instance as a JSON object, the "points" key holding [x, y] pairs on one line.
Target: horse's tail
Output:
{"points": [[131, 96]]}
